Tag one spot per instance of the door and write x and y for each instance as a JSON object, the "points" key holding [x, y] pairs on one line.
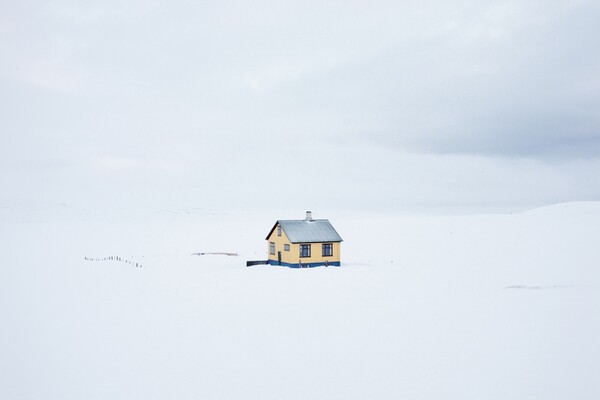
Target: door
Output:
{"points": [[279, 257]]}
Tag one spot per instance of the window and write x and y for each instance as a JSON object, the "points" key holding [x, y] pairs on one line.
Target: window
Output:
{"points": [[304, 250], [327, 249], [286, 247], [278, 231], [271, 247]]}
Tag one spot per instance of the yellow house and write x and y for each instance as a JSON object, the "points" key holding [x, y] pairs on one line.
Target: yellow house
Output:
{"points": [[304, 243]]}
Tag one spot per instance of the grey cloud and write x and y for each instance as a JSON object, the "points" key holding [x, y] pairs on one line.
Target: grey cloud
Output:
{"points": [[164, 99], [530, 91]]}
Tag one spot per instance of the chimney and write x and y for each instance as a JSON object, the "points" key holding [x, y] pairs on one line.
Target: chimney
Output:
{"points": [[309, 217]]}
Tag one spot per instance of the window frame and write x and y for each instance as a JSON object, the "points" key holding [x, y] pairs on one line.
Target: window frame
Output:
{"points": [[279, 231], [272, 248], [303, 252], [330, 247], [286, 247]]}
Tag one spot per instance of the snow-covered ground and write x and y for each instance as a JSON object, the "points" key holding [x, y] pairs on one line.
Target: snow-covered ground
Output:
{"points": [[424, 307]]}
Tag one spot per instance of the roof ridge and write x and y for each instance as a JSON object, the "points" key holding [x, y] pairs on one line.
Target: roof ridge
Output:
{"points": [[302, 220], [301, 230]]}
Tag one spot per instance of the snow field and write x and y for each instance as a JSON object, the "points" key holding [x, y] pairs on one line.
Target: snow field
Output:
{"points": [[468, 307]]}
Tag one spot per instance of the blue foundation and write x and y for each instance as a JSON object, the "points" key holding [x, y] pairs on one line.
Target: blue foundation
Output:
{"points": [[305, 265]]}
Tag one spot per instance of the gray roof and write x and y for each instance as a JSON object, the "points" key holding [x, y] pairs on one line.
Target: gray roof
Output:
{"points": [[303, 231]]}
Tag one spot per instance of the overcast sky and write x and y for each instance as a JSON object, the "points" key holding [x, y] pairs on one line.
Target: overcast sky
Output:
{"points": [[299, 104]]}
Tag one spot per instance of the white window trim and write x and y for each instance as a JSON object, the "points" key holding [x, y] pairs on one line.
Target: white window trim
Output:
{"points": [[323, 248], [309, 251]]}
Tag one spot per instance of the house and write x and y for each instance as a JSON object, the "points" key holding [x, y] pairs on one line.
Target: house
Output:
{"points": [[304, 243]]}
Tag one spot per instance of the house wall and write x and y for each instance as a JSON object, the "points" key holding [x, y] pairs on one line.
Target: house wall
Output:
{"points": [[280, 241], [293, 256], [316, 252]]}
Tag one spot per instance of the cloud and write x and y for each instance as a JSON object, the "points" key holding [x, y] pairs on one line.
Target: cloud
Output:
{"points": [[394, 98], [507, 80]]}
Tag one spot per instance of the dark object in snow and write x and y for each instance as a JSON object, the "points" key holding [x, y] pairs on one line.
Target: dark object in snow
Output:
{"points": [[260, 262], [115, 258]]}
